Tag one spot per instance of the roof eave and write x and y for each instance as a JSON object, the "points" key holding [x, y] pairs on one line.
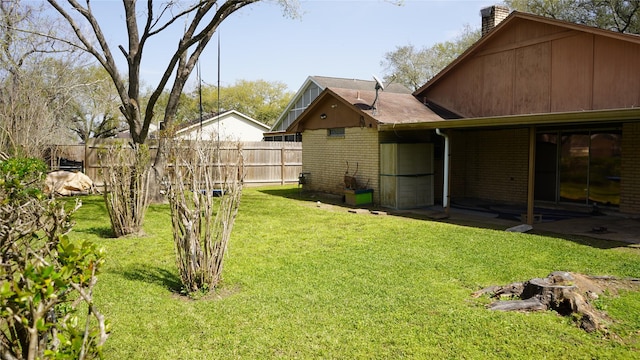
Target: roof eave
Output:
{"points": [[593, 116]]}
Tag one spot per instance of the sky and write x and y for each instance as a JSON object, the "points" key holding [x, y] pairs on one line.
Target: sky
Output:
{"points": [[336, 38]]}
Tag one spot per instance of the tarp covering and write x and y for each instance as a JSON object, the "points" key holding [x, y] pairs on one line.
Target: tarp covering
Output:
{"points": [[67, 183]]}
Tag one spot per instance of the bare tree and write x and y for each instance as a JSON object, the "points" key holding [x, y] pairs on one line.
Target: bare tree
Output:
{"points": [[200, 20], [36, 82], [95, 106]]}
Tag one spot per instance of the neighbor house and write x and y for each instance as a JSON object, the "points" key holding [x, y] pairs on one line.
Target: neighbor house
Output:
{"points": [[538, 111], [228, 126]]}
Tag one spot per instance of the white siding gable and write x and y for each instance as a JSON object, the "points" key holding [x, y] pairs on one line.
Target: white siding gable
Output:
{"points": [[231, 126]]}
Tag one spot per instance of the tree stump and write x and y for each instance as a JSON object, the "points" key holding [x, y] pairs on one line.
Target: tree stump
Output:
{"points": [[564, 292]]}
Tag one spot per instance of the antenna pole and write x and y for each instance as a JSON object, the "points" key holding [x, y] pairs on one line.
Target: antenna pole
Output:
{"points": [[200, 99], [218, 89], [379, 87]]}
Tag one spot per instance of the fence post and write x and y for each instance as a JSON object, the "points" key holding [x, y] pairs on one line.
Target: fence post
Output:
{"points": [[282, 165]]}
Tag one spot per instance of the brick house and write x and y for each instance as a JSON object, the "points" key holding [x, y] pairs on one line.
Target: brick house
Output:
{"points": [[538, 111], [340, 135]]}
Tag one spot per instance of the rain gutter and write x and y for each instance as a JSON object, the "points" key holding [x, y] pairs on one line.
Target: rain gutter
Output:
{"points": [[445, 185], [590, 116]]}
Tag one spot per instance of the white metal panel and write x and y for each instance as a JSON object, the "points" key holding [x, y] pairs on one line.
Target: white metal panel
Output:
{"points": [[406, 175]]}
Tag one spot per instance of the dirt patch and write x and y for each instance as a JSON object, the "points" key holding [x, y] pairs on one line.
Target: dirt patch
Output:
{"points": [[218, 294]]}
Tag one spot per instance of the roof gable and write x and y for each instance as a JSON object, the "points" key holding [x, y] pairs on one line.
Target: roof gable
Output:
{"points": [[309, 90], [531, 65], [339, 107], [214, 118], [235, 124], [314, 85]]}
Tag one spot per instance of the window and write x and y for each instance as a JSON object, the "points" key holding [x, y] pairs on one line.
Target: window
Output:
{"points": [[335, 132], [293, 138]]}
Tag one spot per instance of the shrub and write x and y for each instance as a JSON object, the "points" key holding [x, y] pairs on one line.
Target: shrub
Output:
{"points": [[22, 178], [126, 173], [45, 280], [202, 225]]}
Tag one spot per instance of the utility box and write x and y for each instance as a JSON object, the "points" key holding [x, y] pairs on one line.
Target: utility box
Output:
{"points": [[358, 197], [406, 175]]}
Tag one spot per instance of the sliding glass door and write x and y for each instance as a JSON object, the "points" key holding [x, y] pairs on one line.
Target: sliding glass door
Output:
{"points": [[579, 166]]}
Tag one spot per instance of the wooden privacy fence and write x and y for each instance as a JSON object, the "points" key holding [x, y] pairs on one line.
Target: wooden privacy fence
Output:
{"points": [[270, 162]]}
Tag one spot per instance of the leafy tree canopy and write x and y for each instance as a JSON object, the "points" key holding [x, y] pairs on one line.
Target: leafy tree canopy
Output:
{"points": [[259, 99], [413, 67], [616, 15]]}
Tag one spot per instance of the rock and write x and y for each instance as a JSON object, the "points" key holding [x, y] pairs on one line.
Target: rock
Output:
{"points": [[67, 183], [523, 228], [358, 211]]}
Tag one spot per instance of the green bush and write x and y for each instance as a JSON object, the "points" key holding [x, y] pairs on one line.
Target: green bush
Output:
{"points": [[22, 178], [46, 281]]}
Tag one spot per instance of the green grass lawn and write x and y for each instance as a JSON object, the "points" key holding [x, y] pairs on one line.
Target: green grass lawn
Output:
{"points": [[306, 282]]}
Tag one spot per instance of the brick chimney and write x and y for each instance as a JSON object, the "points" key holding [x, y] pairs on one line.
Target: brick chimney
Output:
{"points": [[492, 16]]}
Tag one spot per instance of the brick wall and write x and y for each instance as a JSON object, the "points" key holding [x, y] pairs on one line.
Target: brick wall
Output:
{"points": [[325, 158], [630, 172], [490, 164]]}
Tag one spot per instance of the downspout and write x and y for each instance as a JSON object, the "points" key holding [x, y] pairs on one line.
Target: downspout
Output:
{"points": [[445, 185]]}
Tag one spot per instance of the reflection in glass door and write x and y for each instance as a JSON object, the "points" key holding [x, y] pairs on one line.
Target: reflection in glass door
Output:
{"points": [[604, 168], [574, 167], [579, 166], [546, 181]]}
